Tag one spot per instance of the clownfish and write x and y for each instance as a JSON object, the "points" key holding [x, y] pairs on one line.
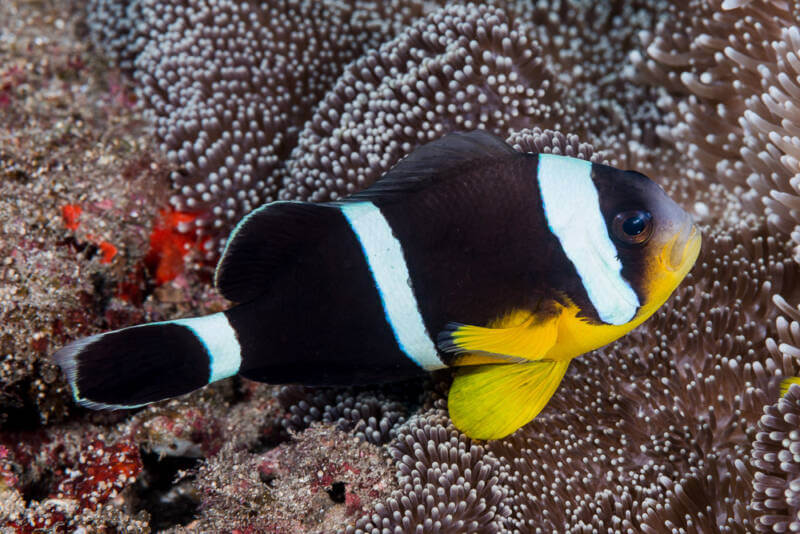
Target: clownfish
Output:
{"points": [[467, 254]]}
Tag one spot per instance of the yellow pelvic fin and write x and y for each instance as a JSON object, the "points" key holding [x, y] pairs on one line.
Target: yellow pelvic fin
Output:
{"points": [[786, 383], [492, 401], [480, 358], [529, 339]]}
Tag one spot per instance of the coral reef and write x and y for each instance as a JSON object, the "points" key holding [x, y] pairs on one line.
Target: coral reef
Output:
{"points": [[84, 473], [321, 479], [677, 427], [67, 245]]}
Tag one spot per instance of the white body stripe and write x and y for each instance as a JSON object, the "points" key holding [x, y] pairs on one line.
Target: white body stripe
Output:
{"points": [[572, 208], [384, 255], [219, 338]]}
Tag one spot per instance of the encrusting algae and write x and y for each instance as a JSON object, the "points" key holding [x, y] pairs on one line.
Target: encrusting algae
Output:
{"points": [[677, 427]]}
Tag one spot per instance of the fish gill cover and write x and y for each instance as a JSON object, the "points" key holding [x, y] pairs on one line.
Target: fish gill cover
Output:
{"points": [[675, 428]]}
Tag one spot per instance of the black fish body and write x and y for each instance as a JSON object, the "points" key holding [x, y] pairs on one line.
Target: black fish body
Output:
{"points": [[324, 305], [467, 254]]}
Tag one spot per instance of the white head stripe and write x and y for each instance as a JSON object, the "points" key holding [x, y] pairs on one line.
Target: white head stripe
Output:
{"points": [[384, 255], [219, 338], [572, 208]]}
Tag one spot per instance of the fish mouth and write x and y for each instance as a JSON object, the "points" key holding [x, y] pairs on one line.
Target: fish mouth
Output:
{"points": [[682, 250]]}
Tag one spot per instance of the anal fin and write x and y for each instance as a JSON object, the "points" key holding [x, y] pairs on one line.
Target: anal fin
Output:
{"points": [[527, 340], [492, 401]]}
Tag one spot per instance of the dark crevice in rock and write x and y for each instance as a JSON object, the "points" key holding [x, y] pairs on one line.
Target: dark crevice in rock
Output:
{"points": [[164, 490], [337, 492], [18, 412], [39, 489]]}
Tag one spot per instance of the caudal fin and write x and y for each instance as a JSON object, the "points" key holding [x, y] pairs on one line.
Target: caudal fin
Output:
{"points": [[135, 366]]}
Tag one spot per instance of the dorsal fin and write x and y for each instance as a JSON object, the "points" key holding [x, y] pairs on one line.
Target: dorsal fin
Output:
{"points": [[271, 235], [265, 240], [453, 151]]}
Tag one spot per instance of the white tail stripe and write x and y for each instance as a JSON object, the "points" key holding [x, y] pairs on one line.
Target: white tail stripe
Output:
{"points": [[219, 338], [572, 208], [384, 255]]}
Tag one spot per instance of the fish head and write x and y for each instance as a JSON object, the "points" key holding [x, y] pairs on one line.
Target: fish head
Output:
{"points": [[657, 241]]}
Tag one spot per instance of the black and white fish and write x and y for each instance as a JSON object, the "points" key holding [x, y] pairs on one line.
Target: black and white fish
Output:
{"points": [[467, 254]]}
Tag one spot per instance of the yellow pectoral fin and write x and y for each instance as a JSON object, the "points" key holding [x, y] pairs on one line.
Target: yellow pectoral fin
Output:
{"points": [[529, 340], [492, 401]]}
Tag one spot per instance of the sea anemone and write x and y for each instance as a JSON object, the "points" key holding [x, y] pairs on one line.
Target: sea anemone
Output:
{"points": [[228, 84]]}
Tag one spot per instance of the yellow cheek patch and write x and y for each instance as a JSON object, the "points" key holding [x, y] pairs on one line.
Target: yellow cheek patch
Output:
{"points": [[665, 259], [669, 268]]}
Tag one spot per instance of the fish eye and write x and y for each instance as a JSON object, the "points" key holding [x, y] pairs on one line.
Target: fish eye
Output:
{"points": [[633, 227]]}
